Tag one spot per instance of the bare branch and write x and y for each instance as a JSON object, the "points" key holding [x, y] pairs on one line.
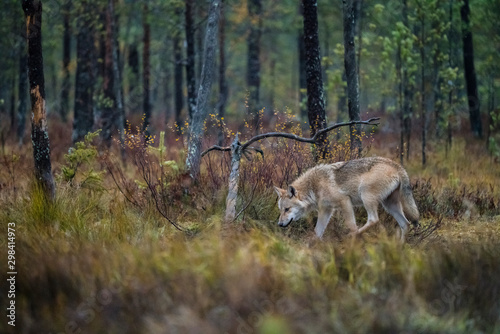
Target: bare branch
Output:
{"points": [[307, 140], [291, 136], [216, 148]]}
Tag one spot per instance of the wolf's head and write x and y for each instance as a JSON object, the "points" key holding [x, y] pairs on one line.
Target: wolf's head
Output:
{"points": [[290, 205]]}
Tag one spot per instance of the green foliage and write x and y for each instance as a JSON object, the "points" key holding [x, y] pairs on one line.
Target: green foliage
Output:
{"points": [[80, 160]]}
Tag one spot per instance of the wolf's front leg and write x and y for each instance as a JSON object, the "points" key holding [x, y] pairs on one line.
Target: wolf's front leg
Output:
{"points": [[324, 215]]}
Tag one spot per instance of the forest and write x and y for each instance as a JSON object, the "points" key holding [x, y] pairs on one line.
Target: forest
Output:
{"points": [[141, 143]]}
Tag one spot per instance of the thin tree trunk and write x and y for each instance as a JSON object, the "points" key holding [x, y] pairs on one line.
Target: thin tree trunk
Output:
{"points": [[407, 96], [119, 110], [133, 90], [108, 113], [39, 131], [253, 61], [302, 75], [399, 75], [222, 74], [315, 93], [449, 131], [179, 98], [190, 57], [22, 95], [351, 69], [66, 84], [470, 72], [83, 120], [196, 129], [423, 107], [146, 68]]}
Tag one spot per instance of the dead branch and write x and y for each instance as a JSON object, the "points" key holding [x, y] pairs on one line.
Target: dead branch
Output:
{"points": [[311, 140]]}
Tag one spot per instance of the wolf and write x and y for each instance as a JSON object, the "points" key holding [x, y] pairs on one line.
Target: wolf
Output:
{"points": [[343, 185]]}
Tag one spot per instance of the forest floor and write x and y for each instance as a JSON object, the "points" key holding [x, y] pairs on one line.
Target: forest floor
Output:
{"points": [[93, 262]]}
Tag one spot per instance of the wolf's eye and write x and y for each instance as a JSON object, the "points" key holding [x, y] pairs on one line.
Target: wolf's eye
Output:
{"points": [[287, 209]]}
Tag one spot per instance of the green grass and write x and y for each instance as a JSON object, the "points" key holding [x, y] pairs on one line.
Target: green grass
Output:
{"points": [[93, 263]]}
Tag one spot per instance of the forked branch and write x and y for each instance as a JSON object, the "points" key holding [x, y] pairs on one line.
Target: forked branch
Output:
{"points": [[311, 140]]}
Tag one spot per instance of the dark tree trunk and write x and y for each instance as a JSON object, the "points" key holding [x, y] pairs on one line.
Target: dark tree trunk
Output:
{"points": [[196, 129], [470, 72], [315, 93], [39, 132], [119, 111], [179, 98], [66, 84], [146, 71], [302, 73], [13, 110], [133, 90], [112, 117], [253, 61], [190, 57], [407, 97], [351, 70], [423, 108], [83, 121], [22, 96], [222, 75]]}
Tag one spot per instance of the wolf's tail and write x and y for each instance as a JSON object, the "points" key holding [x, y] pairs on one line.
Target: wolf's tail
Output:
{"points": [[409, 206]]}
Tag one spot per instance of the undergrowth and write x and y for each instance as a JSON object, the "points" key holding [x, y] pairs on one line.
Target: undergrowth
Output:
{"points": [[106, 259]]}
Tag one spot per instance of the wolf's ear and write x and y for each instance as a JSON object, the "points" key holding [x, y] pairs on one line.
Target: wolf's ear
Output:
{"points": [[292, 192], [279, 191]]}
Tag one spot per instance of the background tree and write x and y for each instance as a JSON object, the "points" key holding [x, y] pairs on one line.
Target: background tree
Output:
{"points": [[83, 120], [253, 61], [470, 72], [146, 69], [66, 58], [223, 89], [39, 131], [315, 93], [350, 8], [196, 128], [190, 56]]}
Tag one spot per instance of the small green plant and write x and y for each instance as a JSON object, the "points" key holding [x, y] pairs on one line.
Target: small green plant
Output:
{"points": [[80, 160]]}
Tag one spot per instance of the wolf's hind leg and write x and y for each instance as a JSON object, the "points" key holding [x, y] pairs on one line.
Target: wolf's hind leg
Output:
{"points": [[371, 207], [349, 217], [393, 206], [324, 215]]}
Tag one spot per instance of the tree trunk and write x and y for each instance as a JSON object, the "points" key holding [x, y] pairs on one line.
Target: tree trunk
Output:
{"points": [[315, 93], [39, 132], [190, 57], [146, 71], [351, 70], [232, 194], [66, 84], [222, 75], [196, 129], [134, 94], [423, 107], [112, 117], [302, 73], [22, 96], [470, 72], [253, 61], [179, 98], [119, 110], [407, 97], [83, 121]]}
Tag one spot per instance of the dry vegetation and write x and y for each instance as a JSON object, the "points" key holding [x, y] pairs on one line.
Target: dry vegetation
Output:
{"points": [[97, 261]]}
